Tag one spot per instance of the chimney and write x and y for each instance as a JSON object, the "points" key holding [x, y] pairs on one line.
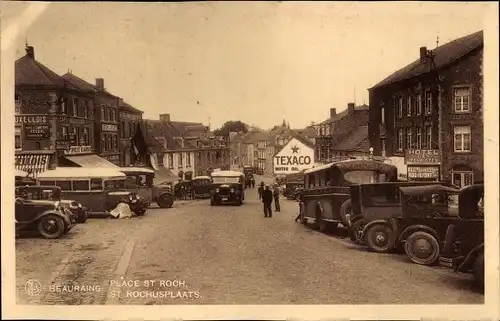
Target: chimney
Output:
{"points": [[30, 52], [350, 108], [165, 117], [99, 83], [423, 53], [333, 112]]}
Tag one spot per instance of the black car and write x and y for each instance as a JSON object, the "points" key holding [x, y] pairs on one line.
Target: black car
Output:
{"points": [[227, 188]]}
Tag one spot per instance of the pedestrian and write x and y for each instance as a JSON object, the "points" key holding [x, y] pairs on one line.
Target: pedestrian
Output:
{"points": [[261, 190], [267, 199], [276, 196], [253, 182]]}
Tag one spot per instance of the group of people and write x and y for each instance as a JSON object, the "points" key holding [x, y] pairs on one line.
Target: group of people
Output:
{"points": [[267, 195]]}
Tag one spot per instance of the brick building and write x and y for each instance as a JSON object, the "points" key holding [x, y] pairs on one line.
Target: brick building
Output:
{"points": [[430, 113], [130, 118], [54, 118], [342, 135]]}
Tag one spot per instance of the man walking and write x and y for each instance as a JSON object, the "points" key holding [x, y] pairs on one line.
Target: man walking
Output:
{"points": [[260, 190], [276, 196], [267, 199]]}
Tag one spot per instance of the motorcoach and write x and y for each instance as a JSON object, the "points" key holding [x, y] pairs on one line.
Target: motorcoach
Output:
{"points": [[228, 187], [201, 186], [141, 181]]}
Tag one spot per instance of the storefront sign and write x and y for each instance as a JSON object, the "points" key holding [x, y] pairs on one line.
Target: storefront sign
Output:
{"points": [[62, 144], [37, 131], [423, 172], [109, 128], [73, 120], [294, 157], [38, 119], [78, 150], [422, 156]]}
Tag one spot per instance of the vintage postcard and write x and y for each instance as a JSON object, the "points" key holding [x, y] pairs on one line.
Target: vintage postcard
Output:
{"points": [[257, 160]]}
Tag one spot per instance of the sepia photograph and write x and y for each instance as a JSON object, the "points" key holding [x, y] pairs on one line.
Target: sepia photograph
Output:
{"points": [[279, 159]]}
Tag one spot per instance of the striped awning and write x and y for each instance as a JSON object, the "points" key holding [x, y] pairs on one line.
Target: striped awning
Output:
{"points": [[91, 160], [33, 164]]}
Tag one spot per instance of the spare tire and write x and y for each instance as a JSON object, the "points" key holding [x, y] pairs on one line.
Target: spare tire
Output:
{"points": [[345, 208]]}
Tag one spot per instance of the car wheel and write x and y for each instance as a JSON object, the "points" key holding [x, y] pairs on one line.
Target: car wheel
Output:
{"points": [[356, 231], [345, 208], [380, 238], [82, 218], [165, 201], [478, 270], [51, 226], [422, 248]]}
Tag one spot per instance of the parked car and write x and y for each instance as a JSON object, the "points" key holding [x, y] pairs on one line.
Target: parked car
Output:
{"points": [[426, 213], [141, 181], [291, 189], [183, 190], [53, 193], [374, 201], [463, 248], [98, 189], [201, 186], [47, 217], [228, 187]]}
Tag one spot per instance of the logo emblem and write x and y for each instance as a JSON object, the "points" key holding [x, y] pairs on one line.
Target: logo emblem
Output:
{"points": [[295, 149], [33, 287]]}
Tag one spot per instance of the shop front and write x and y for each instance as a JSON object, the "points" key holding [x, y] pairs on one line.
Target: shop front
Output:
{"points": [[82, 156], [34, 162], [423, 164]]}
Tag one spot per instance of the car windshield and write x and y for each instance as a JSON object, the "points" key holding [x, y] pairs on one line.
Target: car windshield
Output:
{"points": [[219, 180], [114, 184]]}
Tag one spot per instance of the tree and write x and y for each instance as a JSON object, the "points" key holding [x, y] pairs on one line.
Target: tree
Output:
{"points": [[231, 126]]}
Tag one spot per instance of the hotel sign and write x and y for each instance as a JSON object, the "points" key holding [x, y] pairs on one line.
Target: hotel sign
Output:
{"points": [[422, 157], [423, 172], [78, 150], [109, 128], [36, 119]]}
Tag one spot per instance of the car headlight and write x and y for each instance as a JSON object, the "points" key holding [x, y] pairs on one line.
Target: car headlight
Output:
{"points": [[232, 190], [79, 205], [56, 205], [74, 205], [217, 190]]}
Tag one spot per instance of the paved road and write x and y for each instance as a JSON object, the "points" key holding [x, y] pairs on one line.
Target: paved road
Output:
{"points": [[198, 254]]}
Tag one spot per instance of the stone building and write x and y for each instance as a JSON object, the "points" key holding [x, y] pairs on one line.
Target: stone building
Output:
{"points": [[430, 113], [130, 119], [54, 119]]}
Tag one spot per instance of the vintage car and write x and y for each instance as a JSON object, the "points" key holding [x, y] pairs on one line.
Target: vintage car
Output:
{"points": [[371, 202], [201, 186], [426, 213], [326, 191], [53, 193], [49, 218], [141, 181], [463, 248], [98, 189], [227, 187]]}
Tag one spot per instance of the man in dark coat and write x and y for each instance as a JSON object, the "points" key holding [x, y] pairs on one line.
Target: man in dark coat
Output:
{"points": [[260, 190], [267, 199]]}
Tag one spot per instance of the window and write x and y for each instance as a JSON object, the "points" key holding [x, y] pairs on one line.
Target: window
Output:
{"points": [[382, 146], [382, 115], [400, 139], [75, 107], [86, 136], [428, 133], [17, 138], [64, 132], [188, 160], [122, 123], [400, 107], [462, 179], [180, 157], [103, 142], [64, 106], [86, 109], [408, 108], [103, 112], [428, 103], [170, 160], [419, 138], [113, 115], [81, 185], [110, 142], [17, 104], [418, 104], [461, 99], [96, 184], [409, 141], [115, 143], [64, 185], [462, 135], [363, 177]]}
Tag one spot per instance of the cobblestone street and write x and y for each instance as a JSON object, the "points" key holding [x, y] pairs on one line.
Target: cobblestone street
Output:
{"points": [[198, 254]]}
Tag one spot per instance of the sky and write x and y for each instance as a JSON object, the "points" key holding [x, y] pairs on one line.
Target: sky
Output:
{"points": [[258, 62]]}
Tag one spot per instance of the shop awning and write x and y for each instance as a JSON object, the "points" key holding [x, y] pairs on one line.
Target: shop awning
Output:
{"points": [[92, 161], [33, 164], [163, 175]]}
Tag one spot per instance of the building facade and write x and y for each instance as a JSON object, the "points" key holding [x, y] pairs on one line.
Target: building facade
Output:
{"points": [[431, 113], [130, 118]]}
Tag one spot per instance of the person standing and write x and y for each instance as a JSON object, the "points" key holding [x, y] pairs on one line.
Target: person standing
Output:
{"points": [[261, 189], [276, 196], [267, 199]]}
